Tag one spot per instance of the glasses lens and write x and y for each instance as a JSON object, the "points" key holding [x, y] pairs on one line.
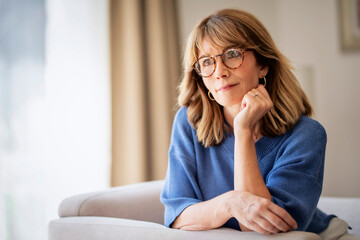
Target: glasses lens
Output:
{"points": [[205, 66], [233, 58]]}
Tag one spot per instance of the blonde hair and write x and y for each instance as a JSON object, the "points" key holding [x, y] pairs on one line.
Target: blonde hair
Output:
{"points": [[230, 27]]}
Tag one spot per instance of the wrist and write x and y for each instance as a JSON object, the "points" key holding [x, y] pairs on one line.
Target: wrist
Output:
{"points": [[227, 204], [243, 132]]}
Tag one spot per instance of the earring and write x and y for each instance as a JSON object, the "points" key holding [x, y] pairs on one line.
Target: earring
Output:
{"points": [[264, 81], [209, 95]]}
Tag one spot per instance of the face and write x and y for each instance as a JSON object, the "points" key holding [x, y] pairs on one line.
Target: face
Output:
{"points": [[228, 86]]}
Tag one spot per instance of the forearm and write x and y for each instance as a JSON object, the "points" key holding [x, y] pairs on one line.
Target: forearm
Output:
{"points": [[204, 215], [247, 175]]}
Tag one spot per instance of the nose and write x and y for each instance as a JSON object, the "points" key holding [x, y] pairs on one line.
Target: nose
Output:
{"points": [[221, 70]]}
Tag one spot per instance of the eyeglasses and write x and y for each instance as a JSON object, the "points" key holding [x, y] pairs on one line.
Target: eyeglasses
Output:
{"points": [[232, 58]]}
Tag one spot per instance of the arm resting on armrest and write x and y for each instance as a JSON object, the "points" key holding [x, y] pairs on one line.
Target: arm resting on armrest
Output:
{"points": [[138, 201]]}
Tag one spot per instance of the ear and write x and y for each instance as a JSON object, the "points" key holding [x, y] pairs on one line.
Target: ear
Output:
{"points": [[263, 71]]}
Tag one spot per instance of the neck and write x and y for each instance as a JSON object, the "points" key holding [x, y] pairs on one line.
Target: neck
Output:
{"points": [[231, 112]]}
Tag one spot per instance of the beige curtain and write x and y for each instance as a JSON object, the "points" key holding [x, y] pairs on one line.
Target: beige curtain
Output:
{"points": [[145, 68]]}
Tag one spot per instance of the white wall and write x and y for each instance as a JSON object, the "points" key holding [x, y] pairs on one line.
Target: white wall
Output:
{"points": [[191, 12], [307, 32]]}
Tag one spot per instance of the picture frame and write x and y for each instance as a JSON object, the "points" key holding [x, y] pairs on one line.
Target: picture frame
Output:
{"points": [[350, 24]]}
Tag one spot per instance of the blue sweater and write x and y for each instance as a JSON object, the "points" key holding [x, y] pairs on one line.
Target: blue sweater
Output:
{"points": [[291, 165]]}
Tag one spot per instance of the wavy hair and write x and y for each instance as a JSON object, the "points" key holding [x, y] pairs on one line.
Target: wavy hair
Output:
{"points": [[230, 27]]}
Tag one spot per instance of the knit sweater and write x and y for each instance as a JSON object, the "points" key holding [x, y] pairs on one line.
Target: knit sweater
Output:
{"points": [[291, 165]]}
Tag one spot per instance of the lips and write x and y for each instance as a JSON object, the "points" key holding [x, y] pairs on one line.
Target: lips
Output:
{"points": [[226, 87]]}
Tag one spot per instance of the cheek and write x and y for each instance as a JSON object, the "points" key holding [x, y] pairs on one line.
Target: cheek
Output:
{"points": [[249, 80], [207, 84], [248, 76]]}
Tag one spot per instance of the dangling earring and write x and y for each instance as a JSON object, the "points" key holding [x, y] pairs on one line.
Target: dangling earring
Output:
{"points": [[209, 95]]}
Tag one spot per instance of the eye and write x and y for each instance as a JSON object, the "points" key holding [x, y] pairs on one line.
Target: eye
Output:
{"points": [[232, 53], [206, 62]]}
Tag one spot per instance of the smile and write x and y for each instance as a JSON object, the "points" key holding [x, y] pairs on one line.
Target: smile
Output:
{"points": [[226, 87]]}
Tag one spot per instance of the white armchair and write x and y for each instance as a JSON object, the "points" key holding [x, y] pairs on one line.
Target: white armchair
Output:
{"points": [[135, 212]]}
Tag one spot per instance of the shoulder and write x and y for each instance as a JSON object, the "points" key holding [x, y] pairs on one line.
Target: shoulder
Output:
{"points": [[181, 120], [308, 126], [183, 137], [181, 127], [309, 132], [181, 115]]}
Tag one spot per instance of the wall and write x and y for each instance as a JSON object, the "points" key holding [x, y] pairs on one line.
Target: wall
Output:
{"points": [[307, 32]]}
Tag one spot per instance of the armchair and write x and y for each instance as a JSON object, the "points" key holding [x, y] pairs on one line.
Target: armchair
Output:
{"points": [[135, 212]]}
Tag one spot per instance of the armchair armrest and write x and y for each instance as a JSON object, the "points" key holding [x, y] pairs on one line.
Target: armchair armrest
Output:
{"points": [[137, 201], [117, 208]]}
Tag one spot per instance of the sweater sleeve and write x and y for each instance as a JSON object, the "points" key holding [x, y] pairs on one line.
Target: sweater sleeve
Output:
{"points": [[295, 181], [181, 188]]}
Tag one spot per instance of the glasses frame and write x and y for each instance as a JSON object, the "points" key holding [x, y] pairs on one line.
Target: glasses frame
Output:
{"points": [[221, 56]]}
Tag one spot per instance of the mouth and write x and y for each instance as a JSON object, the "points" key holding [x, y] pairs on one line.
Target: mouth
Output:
{"points": [[226, 87]]}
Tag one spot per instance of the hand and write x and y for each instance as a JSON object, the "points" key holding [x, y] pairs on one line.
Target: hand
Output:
{"points": [[259, 214], [255, 104]]}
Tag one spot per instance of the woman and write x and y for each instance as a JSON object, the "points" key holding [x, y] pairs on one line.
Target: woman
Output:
{"points": [[244, 154]]}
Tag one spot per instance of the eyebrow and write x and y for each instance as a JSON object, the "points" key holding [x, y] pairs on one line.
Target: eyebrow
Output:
{"points": [[224, 50], [204, 56]]}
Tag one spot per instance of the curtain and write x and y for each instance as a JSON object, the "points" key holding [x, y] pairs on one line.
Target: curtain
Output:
{"points": [[145, 68]]}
